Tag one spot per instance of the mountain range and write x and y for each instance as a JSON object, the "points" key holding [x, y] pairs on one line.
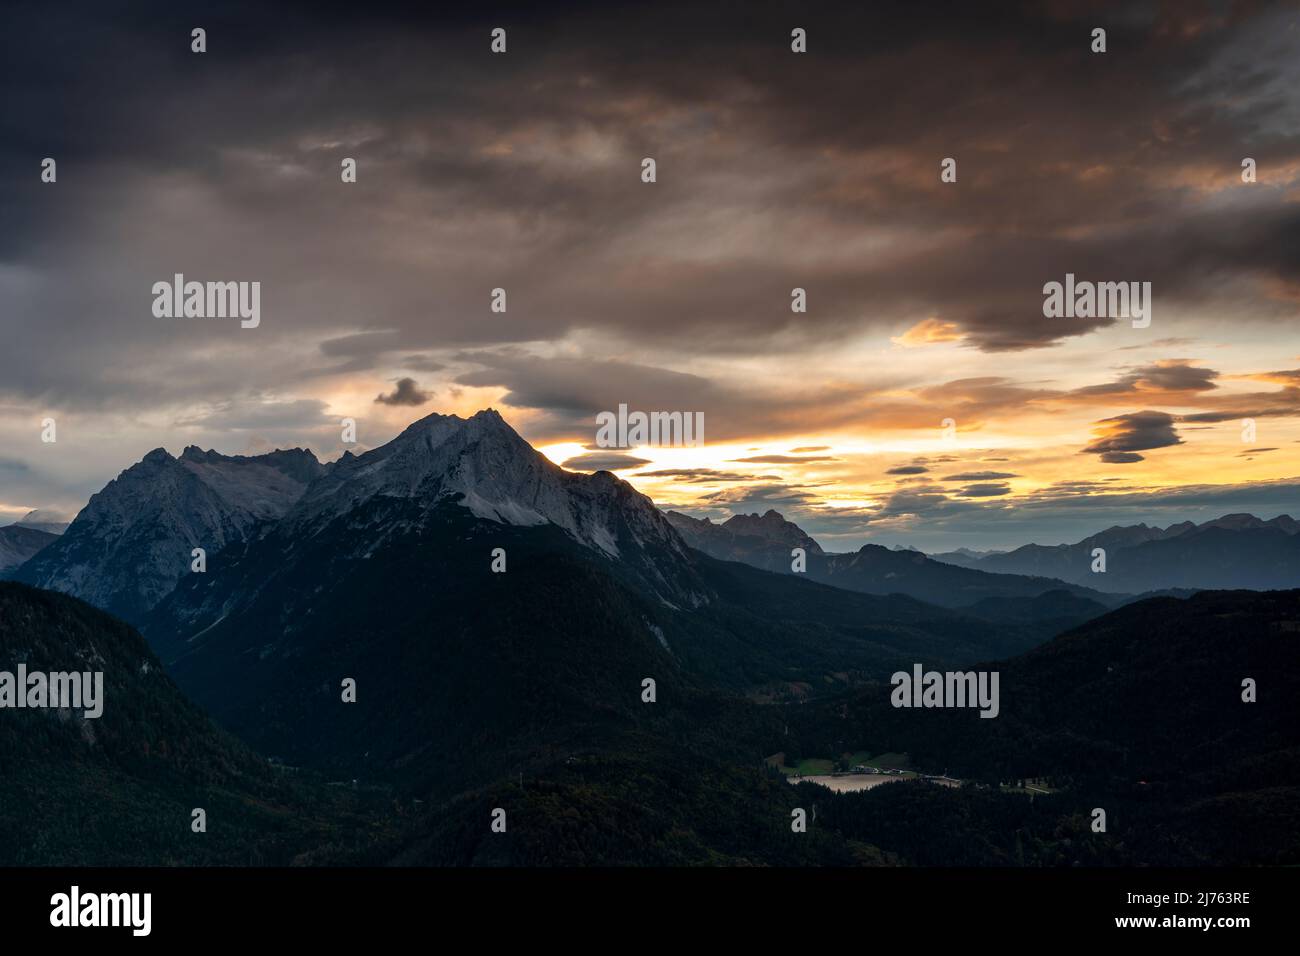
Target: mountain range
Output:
{"points": [[134, 541], [388, 571], [1042, 605], [452, 621], [1234, 551]]}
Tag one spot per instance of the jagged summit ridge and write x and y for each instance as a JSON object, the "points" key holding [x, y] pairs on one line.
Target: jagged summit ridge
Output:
{"points": [[484, 465], [131, 543], [772, 526]]}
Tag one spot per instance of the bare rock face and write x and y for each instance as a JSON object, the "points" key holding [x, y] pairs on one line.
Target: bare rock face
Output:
{"points": [[132, 542]]}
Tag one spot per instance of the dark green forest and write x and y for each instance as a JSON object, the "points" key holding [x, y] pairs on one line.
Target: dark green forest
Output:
{"points": [[1138, 712]]}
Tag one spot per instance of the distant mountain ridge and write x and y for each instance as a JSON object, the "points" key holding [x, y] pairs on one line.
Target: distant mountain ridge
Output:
{"points": [[1230, 552], [19, 543], [1233, 551], [25, 538], [132, 542], [762, 541], [767, 542], [42, 521]]}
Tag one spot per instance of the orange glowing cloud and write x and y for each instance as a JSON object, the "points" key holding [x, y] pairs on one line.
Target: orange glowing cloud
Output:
{"points": [[928, 332]]}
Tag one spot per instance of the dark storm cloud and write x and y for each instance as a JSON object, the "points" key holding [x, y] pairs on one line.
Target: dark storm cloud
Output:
{"points": [[520, 171], [1121, 437], [582, 389], [1172, 376], [367, 350], [407, 392], [908, 470], [570, 392]]}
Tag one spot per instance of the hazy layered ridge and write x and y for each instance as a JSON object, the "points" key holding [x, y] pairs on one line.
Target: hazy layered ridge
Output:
{"points": [[19, 544], [767, 542], [1234, 551]]}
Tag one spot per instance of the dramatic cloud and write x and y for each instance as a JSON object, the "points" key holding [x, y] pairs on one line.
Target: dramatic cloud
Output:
{"points": [[406, 393], [527, 169], [1119, 438], [1169, 376], [775, 171], [928, 332]]}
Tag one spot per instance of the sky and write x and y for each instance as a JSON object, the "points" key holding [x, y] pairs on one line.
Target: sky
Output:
{"points": [[774, 170]]}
